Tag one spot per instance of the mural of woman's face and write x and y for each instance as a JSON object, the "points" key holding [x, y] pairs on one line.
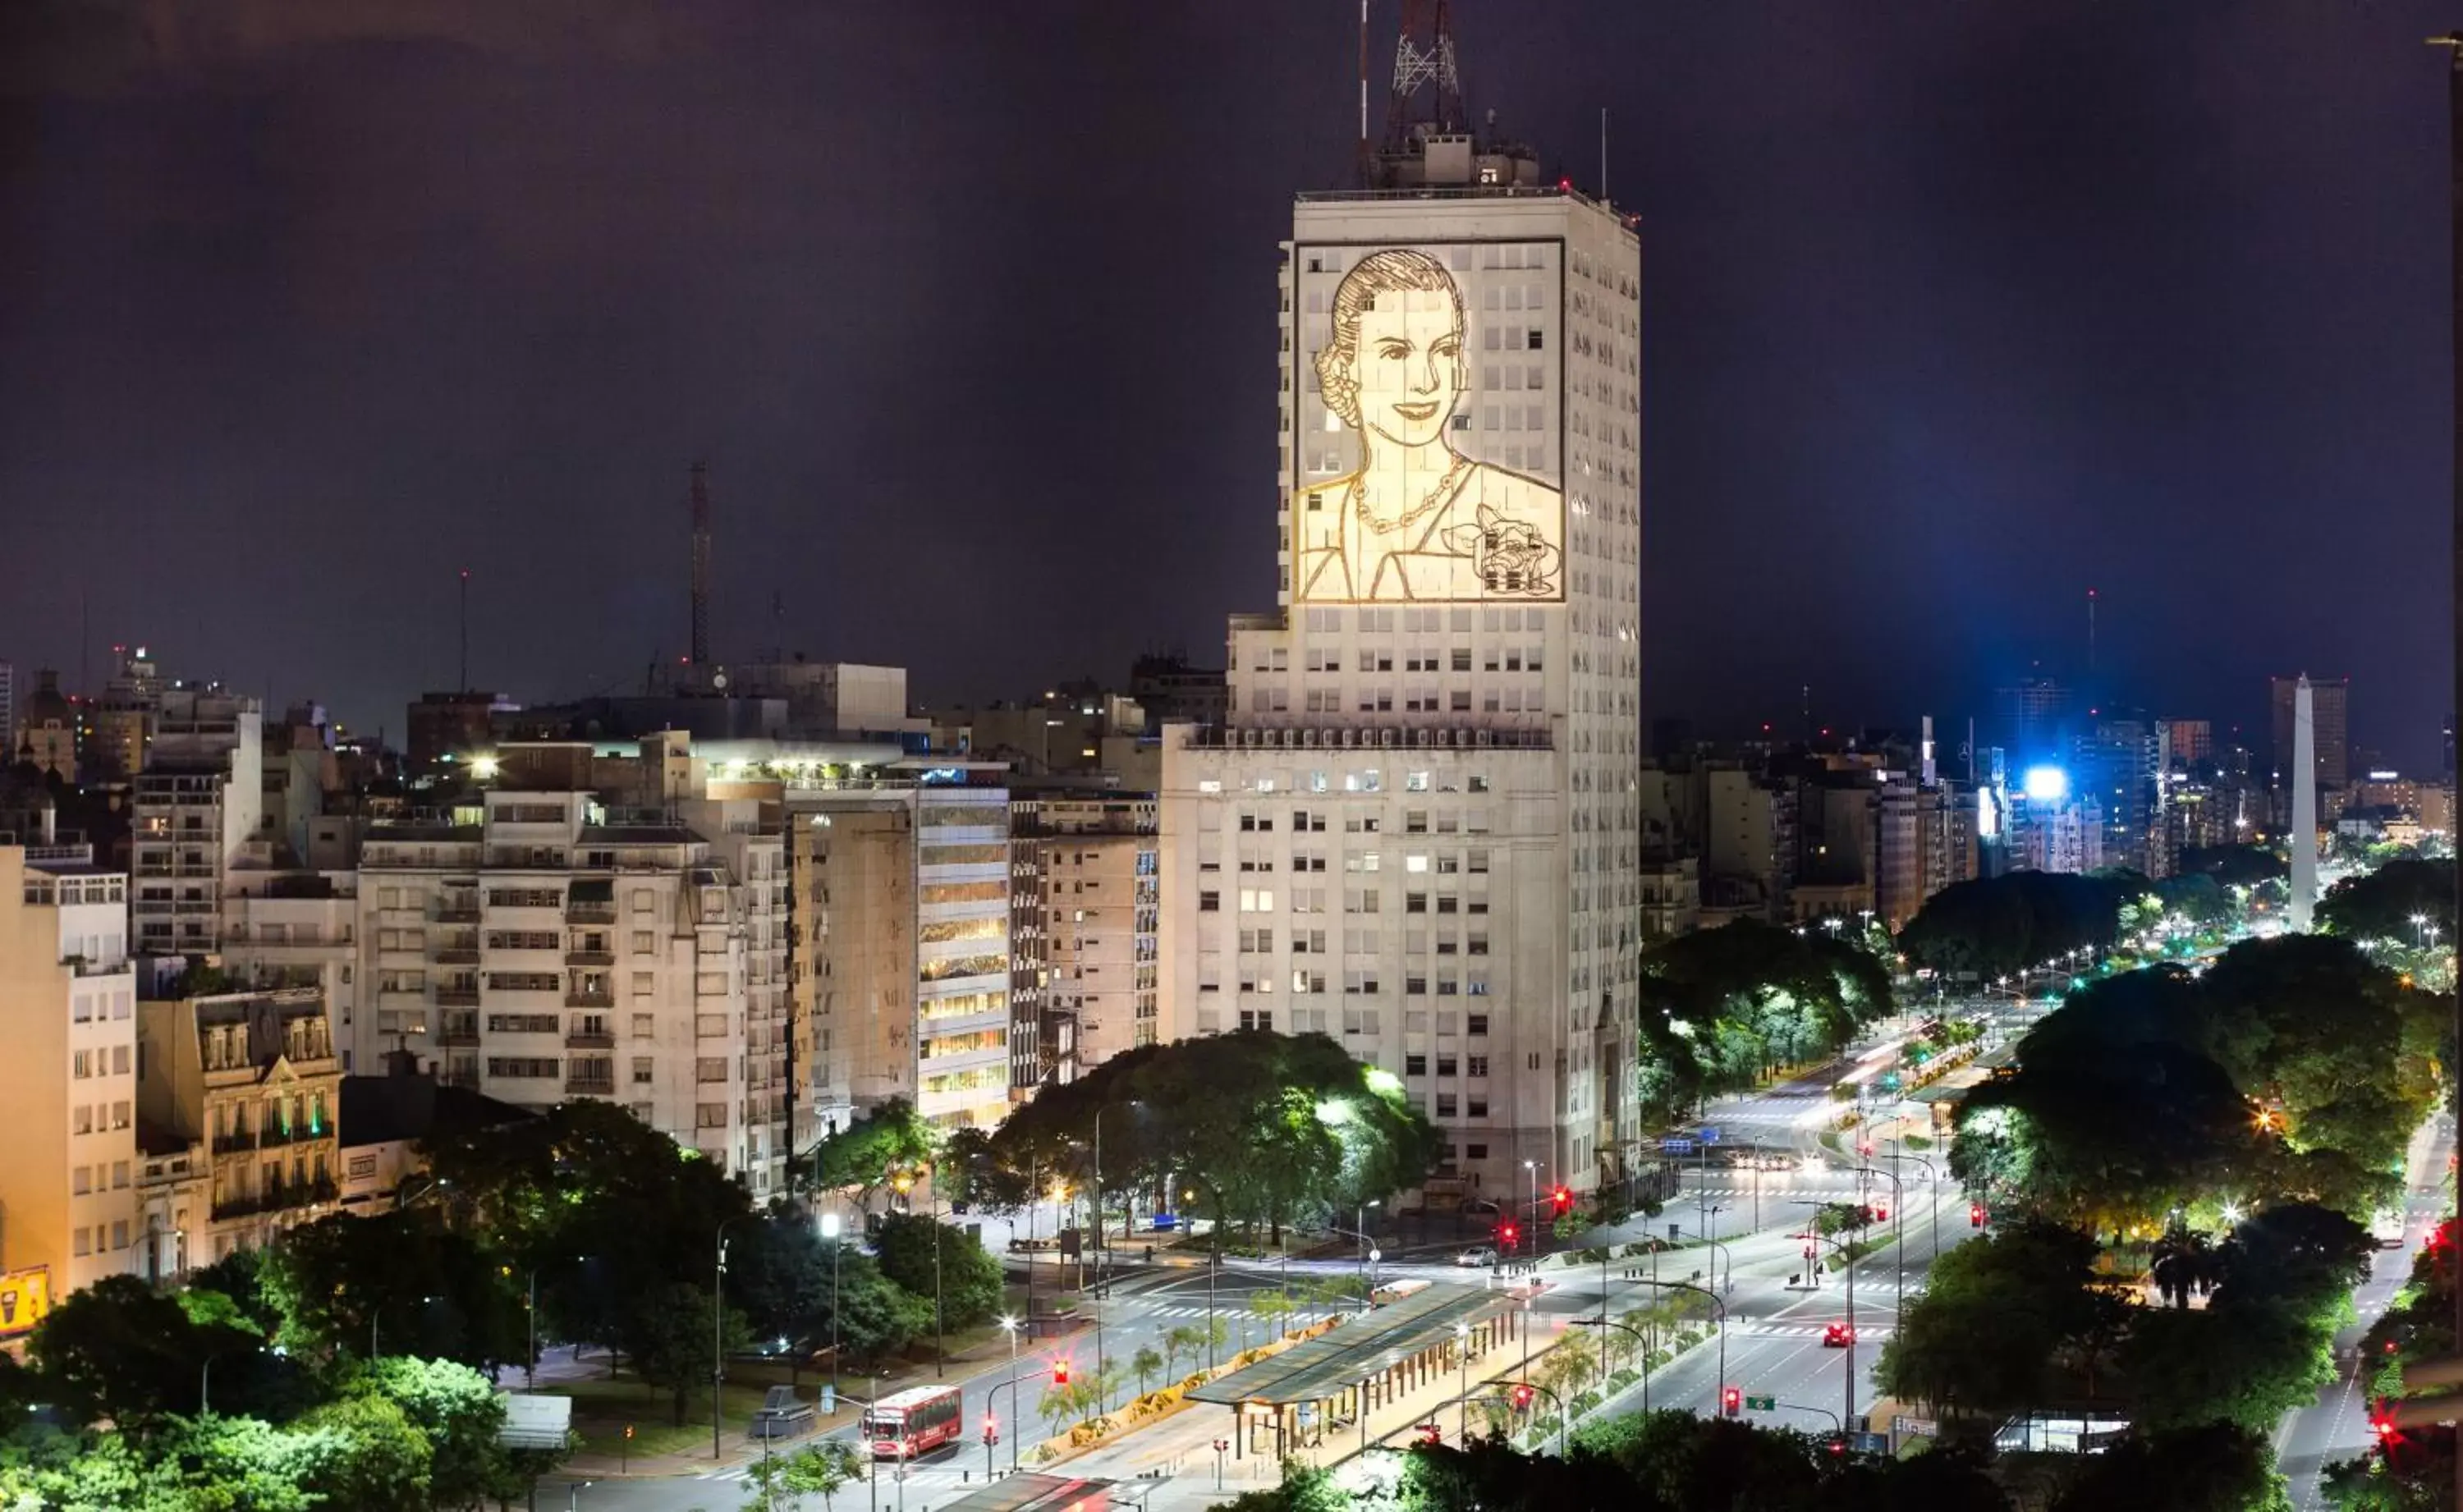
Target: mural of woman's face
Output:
{"points": [[1410, 365]]}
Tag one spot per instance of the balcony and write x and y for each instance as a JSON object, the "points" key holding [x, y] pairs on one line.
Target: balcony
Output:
{"points": [[458, 914], [461, 1036], [456, 957], [457, 997], [590, 913], [590, 958], [589, 1041], [602, 998], [234, 1143], [269, 1139], [590, 1085]]}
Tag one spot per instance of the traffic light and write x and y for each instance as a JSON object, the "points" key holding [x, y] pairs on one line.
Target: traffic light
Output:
{"points": [[1881, 1212], [1506, 1234], [1562, 1198], [2382, 1423], [1060, 1372], [1839, 1447], [992, 1429], [1731, 1401], [1521, 1397], [1975, 1215]]}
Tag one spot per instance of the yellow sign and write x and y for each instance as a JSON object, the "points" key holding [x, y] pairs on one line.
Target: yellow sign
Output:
{"points": [[25, 1300]]}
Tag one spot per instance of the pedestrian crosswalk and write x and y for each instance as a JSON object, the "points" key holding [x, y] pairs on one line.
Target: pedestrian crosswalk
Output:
{"points": [[1748, 1329]]}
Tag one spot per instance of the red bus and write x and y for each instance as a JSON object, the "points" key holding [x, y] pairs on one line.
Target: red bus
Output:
{"points": [[914, 1422]]}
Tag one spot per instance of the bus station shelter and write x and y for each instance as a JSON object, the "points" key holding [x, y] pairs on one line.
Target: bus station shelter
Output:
{"points": [[1032, 1492], [1334, 1381]]}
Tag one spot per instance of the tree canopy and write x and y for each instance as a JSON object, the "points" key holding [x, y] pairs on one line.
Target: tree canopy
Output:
{"points": [[2382, 904], [1993, 926], [1720, 1006], [1265, 1128]]}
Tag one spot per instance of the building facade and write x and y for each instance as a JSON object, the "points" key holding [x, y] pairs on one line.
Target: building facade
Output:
{"points": [[199, 803], [1416, 830], [67, 1201]]}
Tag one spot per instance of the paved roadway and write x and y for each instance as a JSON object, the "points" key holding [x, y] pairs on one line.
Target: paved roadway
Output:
{"points": [[2337, 1425]]}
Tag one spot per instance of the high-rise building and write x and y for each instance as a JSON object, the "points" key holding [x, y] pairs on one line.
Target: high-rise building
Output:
{"points": [[2192, 741], [67, 1083], [47, 735], [2033, 715], [1102, 895], [2331, 701], [122, 718], [199, 803], [1417, 830]]}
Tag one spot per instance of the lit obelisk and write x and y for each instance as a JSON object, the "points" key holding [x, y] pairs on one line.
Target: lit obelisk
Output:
{"points": [[2304, 806]]}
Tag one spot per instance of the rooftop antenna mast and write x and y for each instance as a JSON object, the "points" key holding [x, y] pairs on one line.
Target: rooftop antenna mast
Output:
{"points": [[1367, 163], [1424, 54], [700, 564], [462, 676]]}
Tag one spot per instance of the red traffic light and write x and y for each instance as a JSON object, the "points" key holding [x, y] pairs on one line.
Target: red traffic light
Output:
{"points": [[1881, 1212], [1060, 1372], [1975, 1215], [1508, 1233], [1521, 1397], [1731, 1401], [992, 1429], [1839, 1446], [1562, 1198]]}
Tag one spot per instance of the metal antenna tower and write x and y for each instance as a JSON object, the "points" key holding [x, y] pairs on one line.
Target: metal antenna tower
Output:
{"points": [[1424, 54], [700, 564]]}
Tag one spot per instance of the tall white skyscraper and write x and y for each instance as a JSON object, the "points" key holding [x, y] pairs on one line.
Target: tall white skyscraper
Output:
{"points": [[1418, 831]]}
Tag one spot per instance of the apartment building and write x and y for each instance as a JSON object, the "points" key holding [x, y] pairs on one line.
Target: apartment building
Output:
{"points": [[1102, 893], [198, 804], [67, 1083], [299, 929], [254, 1077], [536, 945]]}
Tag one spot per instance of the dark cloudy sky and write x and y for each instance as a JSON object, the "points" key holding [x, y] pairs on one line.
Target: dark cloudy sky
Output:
{"points": [[1952, 309]]}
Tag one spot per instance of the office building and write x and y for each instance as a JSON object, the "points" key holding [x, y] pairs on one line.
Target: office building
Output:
{"points": [[2033, 715], [2331, 701], [1416, 830], [68, 1200]]}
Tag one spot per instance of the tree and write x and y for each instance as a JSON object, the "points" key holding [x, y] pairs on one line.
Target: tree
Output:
{"points": [[876, 1316], [823, 1468], [2002, 925], [2215, 1467], [378, 1459], [1275, 1307], [462, 1414], [863, 1156], [969, 1278], [2246, 1365], [1720, 1007], [1996, 1313], [1145, 1364], [427, 1290], [2382, 904], [119, 1349], [671, 1342], [1267, 1129]]}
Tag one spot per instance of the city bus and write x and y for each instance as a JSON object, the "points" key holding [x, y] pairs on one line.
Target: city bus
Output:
{"points": [[914, 1422]]}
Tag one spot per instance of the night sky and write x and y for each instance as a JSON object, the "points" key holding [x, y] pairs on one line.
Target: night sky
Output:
{"points": [[1952, 311]]}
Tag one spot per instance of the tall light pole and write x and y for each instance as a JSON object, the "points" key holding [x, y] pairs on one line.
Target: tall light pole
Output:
{"points": [[1531, 1214], [831, 1225], [718, 1323], [1364, 1256]]}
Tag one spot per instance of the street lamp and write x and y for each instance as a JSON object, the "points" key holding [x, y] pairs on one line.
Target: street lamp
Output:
{"points": [[1721, 1318], [1367, 1255], [1724, 1260], [1848, 1269], [1532, 1213], [831, 1225], [718, 1321], [1604, 1323]]}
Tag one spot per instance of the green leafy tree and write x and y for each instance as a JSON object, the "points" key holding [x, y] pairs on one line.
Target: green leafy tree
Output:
{"points": [[378, 1459], [1721, 1006], [2002, 925], [969, 1278], [823, 1469], [119, 1349], [671, 1342], [1146, 1363], [2246, 1365], [1996, 1313], [2213, 1467], [462, 1414], [1275, 1307], [2382, 904], [864, 1155], [876, 1316], [425, 1289]]}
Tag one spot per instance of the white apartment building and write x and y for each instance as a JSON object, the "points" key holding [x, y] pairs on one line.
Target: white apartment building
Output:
{"points": [[903, 892], [1101, 885], [1419, 830], [198, 804], [538, 947], [299, 929], [68, 1083]]}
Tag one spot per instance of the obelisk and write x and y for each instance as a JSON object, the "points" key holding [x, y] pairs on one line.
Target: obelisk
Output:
{"points": [[2304, 806]]}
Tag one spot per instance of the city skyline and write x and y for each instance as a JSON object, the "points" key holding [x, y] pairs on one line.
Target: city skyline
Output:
{"points": [[1922, 404]]}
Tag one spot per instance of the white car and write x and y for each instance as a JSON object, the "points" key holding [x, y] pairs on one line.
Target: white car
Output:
{"points": [[1480, 1257]]}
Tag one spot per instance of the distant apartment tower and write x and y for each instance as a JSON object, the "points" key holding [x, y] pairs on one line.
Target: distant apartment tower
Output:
{"points": [[544, 947], [7, 714], [2193, 742], [2330, 698], [198, 804], [446, 729], [2033, 715], [67, 1083], [1173, 691], [47, 734], [1417, 830], [122, 719]]}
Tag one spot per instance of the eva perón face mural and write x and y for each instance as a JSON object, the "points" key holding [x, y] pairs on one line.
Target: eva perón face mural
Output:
{"points": [[1422, 472]]}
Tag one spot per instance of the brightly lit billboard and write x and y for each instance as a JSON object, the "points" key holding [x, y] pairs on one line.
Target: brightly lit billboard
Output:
{"points": [[1428, 441], [25, 1300]]}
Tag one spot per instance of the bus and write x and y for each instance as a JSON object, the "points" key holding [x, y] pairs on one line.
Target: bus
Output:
{"points": [[911, 1423]]}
